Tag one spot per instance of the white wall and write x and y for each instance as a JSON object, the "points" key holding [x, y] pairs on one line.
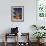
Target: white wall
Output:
{"points": [[29, 15]]}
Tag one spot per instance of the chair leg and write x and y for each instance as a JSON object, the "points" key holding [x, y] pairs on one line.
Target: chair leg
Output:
{"points": [[5, 43], [5, 40]]}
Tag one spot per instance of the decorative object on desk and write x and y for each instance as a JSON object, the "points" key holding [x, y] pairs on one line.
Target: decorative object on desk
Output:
{"points": [[14, 30], [17, 13]]}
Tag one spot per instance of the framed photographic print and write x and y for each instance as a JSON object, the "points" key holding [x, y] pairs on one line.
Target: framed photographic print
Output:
{"points": [[17, 13]]}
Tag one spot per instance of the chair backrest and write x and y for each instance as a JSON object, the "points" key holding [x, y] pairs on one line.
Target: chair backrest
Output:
{"points": [[14, 30]]}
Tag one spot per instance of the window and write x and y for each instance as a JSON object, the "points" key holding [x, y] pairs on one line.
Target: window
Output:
{"points": [[41, 8]]}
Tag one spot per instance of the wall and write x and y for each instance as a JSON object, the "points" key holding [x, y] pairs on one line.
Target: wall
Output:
{"points": [[29, 15]]}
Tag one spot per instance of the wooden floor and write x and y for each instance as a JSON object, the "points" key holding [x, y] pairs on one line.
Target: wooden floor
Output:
{"points": [[13, 44]]}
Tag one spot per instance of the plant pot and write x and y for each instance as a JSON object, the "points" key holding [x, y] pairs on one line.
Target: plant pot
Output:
{"points": [[38, 40]]}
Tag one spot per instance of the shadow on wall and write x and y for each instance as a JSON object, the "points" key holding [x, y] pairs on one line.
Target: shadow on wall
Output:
{"points": [[7, 31]]}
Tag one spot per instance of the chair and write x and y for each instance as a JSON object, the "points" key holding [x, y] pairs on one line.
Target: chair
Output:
{"points": [[26, 41], [14, 32]]}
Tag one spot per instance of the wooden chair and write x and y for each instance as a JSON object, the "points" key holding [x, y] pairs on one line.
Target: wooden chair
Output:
{"points": [[27, 43], [7, 34]]}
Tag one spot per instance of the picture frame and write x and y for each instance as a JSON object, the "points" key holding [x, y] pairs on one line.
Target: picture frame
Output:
{"points": [[17, 13]]}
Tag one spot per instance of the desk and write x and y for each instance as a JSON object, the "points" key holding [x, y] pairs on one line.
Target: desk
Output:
{"points": [[8, 34]]}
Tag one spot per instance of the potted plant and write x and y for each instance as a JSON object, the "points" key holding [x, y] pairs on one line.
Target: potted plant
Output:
{"points": [[39, 35]]}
